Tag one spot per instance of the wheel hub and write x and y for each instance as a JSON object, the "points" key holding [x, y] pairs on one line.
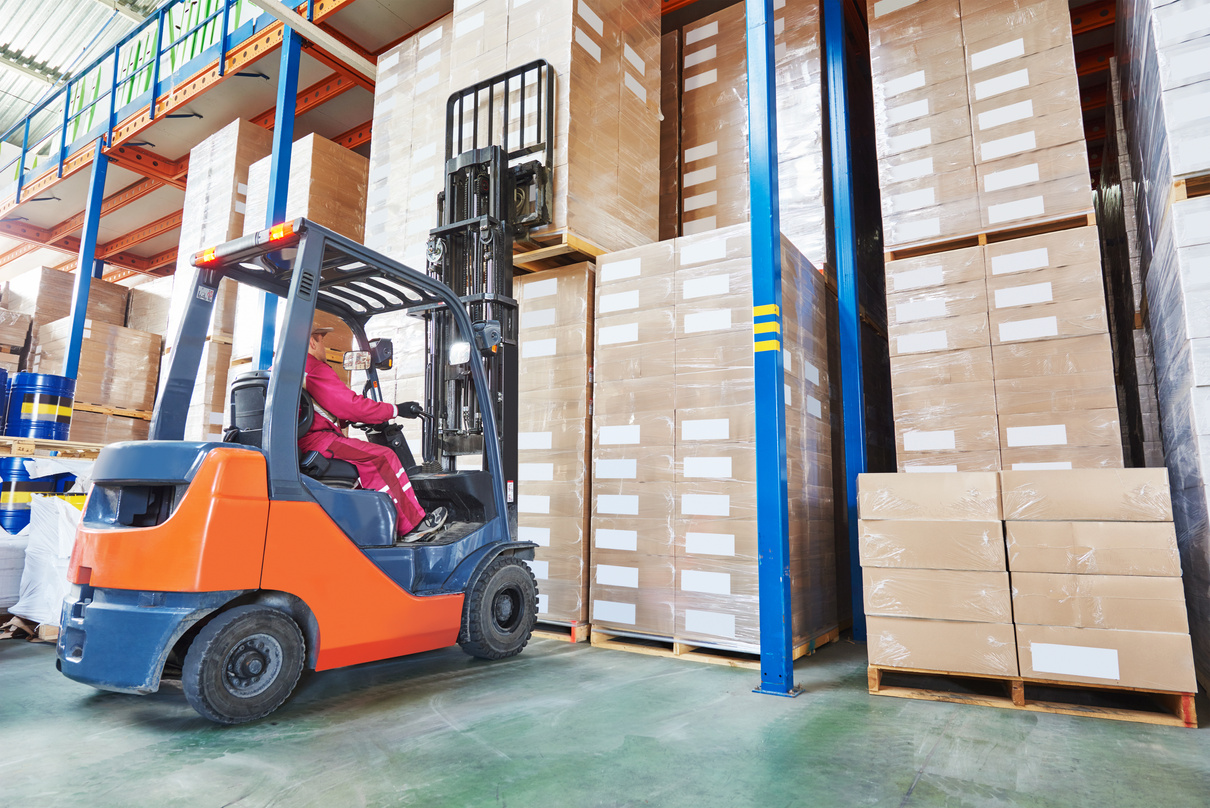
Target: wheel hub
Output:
{"points": [[252, 665], [506, 609]]}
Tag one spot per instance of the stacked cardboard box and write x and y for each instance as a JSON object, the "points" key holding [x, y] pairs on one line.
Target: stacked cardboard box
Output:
{"points": [[978, 116], [97, 427], [1096, 578], [553, 441], [936, 583], [14, 333], [674, 485], [147, 309], [45, 295], [118, 366]]}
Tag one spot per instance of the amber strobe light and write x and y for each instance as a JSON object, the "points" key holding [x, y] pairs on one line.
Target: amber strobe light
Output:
{"points": [[280, 231], [205, 256]]}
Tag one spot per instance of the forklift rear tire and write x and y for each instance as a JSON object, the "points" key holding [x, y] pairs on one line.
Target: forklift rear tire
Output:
{"points": [[243, 665], [501, 609]]}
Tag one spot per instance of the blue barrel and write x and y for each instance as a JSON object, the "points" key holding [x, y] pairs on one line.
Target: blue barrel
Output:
{"points": [[16, 490], [39, 406]]}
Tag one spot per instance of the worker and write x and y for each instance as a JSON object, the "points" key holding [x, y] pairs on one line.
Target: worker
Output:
{"points": [[378, 467]]}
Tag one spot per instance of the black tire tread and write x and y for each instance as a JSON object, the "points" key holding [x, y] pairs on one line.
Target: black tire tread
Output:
{"points": [[471, 638]]}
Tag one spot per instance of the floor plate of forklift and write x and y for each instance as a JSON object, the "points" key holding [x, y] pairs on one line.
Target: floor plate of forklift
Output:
{"points": [[453, 531], [568, 725]]}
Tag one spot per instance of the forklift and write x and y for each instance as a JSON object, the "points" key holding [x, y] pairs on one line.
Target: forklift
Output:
{"points": [[233, 566]]}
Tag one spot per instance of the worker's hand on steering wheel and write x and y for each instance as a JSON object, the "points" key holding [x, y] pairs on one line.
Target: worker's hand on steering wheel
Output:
{"points": [[410, 409]]}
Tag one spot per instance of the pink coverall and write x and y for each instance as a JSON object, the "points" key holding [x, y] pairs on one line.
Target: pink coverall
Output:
{"points": [[378, 467]]}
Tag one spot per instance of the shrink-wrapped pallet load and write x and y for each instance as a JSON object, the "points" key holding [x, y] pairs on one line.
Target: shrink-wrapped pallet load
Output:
{"points": [[118, 366], [45, 294], [148, 306]]}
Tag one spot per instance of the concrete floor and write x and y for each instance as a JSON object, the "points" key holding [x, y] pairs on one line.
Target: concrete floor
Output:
{"points": [[566, 725]]}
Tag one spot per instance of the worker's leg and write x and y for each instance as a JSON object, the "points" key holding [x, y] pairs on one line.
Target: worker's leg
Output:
{"points": [[379, 469]]}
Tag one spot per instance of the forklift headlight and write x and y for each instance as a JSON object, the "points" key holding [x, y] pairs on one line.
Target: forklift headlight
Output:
{"points": [[460, 353]]}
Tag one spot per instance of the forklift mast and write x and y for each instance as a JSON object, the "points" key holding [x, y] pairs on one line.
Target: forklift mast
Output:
{"points": [[499, 161]]}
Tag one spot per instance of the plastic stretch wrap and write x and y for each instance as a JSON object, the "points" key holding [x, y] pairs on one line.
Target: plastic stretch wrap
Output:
{"points": [[950, 497], [936, 545], [119, 366], [975, 596], [52, 534], [147, 309], [14, 331], [1094, 548], [1150, 660], [12, 564], [943, 645], [1123, 602], [1097, 495], [674, 462], [45, 295]]}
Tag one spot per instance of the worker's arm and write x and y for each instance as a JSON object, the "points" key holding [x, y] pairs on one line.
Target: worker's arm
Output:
{"points": [[335, 397]]}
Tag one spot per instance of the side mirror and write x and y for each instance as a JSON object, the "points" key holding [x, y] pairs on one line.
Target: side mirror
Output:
{"points": [[357, 360]]}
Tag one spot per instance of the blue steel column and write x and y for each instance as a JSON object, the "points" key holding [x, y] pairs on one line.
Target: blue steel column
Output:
{"points": [[773, 517], [85, 265], [852, 397], [279, 175]]}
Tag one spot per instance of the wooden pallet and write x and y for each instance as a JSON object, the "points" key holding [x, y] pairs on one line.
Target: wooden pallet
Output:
{"points": [[1053, 225], [144, 415], [1038, 695], [695, 651], [566, 632], [553, 250], [1190, 188], [34, 447]]}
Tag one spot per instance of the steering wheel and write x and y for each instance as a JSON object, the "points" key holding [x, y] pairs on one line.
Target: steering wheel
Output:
{"points": [[306, 413]]}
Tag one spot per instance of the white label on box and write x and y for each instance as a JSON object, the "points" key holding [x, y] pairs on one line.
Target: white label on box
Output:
{"points": [[912, 140], [635, 60], [814, 407], [703, 225], [1011, 178], [635, 87], [907, 112], [425, 153], [706, 200], [910, 171], [1058, 465], [998, 54], [462, 5], [697, 57], [701, 152], [591, 17], [918, 278], [779, 51], [535, 348], [533, 440], [617, 469], [241, 207], [427, 83], [913, 231], [720, 544], [618, 435], [428, 62], [810, 373], [468, 24], [241, 188], [1048, 435], [711, 320], [779, 25], [610, 575], [903, 84], [532, 503], [889, 6], [702, 32], [544, 472], [716, 624], [920, 343], [789, 394], [1020, 261], [714, 468], [920, 310], [710, 250], [706, 429], [1074, 660], [707, 174], [624, 504], [621, 270], [931, 469], [585, 42], [1006, 114], [618, 301], [618, 334], [1001, 84], [541, 318], [616, 539], [1037, 328], [543, 603], [705, 505], [701, 80], [390, 60], [541, 569], [937, 441], [538, 535], [609, 611], [711, 583], [1005, 146], [1024, 295], [1021, 209], [542, 288], [913, 200], [716, 285]]}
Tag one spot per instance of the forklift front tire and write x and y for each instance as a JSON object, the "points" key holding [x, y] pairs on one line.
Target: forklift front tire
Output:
{"points": [[501, 609], [243, 665]]}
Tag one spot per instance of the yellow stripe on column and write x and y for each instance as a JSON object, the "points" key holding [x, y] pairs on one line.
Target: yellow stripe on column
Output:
{"points": [[761, 311], [771, 327], [767, 345]]}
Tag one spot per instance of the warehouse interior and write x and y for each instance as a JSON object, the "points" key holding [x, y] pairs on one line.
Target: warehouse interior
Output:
{"points": [[454, 402]]}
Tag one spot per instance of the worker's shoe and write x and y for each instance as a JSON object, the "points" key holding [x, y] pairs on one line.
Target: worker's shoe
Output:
{"points": [[430, 524]]}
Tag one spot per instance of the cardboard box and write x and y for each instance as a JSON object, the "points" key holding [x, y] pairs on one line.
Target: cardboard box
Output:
{"points": [[949, 462], [1075, 393], [1059, 458], [943, 645], [555, 299], [935, 545], [1083, 357], [929, 497], [918, 404], [45, 295], [940, 336], [1087, 495], [937, 302], [938, 269], [937, 370], [632, 593], [1094, 548], [1128, 602], [927, 435], [1149, 660], [119, 367], [550, 499], [1027, 289], [645, 427], [1068, 318], [972, 596], [1076, 247], [1064, 428]]}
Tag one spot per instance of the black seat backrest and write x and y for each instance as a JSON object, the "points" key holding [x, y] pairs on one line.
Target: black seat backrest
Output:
{"points": [[248, 394]]}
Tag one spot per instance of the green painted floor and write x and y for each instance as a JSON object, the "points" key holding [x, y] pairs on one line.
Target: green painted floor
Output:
{"points": [[566, 725]]}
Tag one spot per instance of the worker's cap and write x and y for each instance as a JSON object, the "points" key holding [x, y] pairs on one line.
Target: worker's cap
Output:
{"points": [[322, 330]]}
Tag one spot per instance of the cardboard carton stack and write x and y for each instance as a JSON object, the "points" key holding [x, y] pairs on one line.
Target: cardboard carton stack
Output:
{"points": [[14, 334], [45, 294], [674, 485], [553, 439], [936, 583], [1096, 578], [148, 306]]}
